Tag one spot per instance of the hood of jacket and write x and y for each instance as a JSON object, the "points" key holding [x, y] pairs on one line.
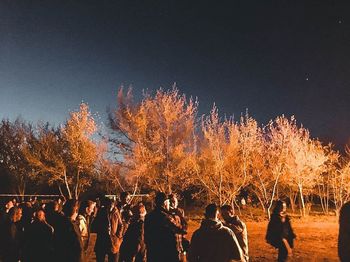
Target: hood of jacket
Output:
{"points": [[211, 225]]}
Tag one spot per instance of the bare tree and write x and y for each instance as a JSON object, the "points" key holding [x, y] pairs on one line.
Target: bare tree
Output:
{"points": [[158, 133]]}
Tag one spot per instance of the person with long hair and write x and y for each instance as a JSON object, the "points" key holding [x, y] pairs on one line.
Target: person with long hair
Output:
{"points": [[279, 231]]}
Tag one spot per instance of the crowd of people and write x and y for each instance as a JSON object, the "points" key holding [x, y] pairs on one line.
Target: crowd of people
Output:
{"points": [[61, 231]]}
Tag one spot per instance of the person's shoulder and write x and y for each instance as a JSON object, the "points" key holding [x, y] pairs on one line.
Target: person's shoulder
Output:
{"points": [[196, 234], [81, 218], [225, 230]]}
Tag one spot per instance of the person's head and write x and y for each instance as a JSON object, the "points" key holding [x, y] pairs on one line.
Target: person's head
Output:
{"points": [[162, 200], [15, 214], [40, 215], [139, 211], [87, 207], [173, 201], [211, 212], [124, 197], [280, 207], [227, 212], [70, 208], [9, 205], [107, 203], [52, 206]]}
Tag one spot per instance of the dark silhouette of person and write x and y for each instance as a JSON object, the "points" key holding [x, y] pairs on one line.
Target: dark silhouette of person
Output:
{"points": [[179, 216], [344, 233], [238, 227], [109, 228], [85, 219], [13, 236], [279, 231], [124, 208], [67, 239], [160, 232], [38, 243], [133, 248], [213, 241]]}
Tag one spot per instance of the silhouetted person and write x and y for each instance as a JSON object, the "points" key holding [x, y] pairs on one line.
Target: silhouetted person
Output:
{"points": [[344, 233], [109, 228], [4, 218], [133, 248], [38, 245], [179, 216], [238, 227], [67, 240], [125, 209], [4, 211], [279, 231], [84, 221], [213, 241], [53, 214], [27, 215], [13, 236], [160, 232]]}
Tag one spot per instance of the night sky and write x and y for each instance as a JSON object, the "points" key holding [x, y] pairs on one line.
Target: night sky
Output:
{"points": [[272, 57]]}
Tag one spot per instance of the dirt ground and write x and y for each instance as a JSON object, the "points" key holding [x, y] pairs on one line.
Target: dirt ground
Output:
{"points": [[316, 240]]}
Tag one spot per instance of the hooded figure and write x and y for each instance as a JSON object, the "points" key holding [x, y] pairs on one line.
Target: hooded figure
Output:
{"points": [[213, 241]]}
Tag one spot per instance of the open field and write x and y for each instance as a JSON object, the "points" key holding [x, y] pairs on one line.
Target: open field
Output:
{"points": [[316, 240]]}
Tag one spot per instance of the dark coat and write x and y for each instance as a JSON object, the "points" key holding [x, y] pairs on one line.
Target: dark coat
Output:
{"points": [[344, 233], [214, 242], [133, 247], [67, 241], [277, 230], [160, 236], [109, 228], [12, 242], [38, 242]]}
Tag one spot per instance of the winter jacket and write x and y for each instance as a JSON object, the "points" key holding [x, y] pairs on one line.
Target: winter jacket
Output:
{"points": [[109, 228], [344, 233], [12, 244], [67, 241], [214, 242], [240, 229], [160, 236], [133, 247], [277, 230], [38, 243]]}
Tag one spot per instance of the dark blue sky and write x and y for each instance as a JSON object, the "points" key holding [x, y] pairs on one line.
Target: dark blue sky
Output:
{"points": [[272, 57]]}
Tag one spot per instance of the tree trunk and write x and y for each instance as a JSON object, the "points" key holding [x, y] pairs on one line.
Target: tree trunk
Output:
{"points": [[302, 208], [67, 185], [292, 197]]}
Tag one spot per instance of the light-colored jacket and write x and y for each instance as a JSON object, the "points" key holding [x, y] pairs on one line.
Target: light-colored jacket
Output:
{"points": [[240, 229]]}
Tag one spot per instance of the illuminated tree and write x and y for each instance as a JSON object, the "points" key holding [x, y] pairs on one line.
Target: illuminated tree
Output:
{"points": [[225, 156], [158, 133], [272, 157], [325, 186], [306, 164], [66, 156], [340, 183]]}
